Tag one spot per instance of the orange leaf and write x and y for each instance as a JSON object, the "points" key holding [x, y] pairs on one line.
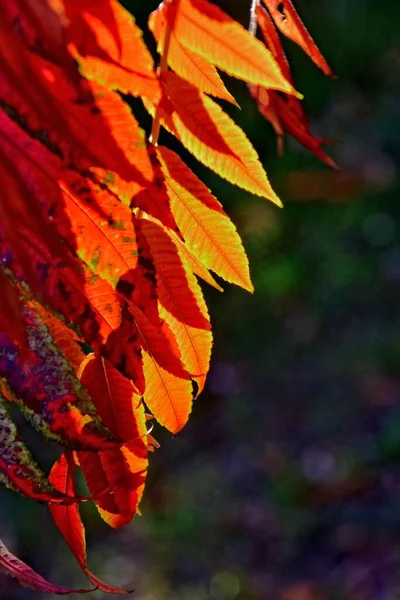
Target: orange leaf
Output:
{"points": [[185, 63], [206, 30], [173, 289], [289, 23], [117, 404], [109, 48], [214, 139], [194, 265], [168, 397], [98, 485], [209, 233], [156, 344], [272, 41], [181, 303], [123, 468], [194, 343]]}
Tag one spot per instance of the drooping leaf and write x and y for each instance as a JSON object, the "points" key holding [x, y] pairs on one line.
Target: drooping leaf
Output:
{"points": [[99, 487], [154, 199], [214, 139], [69, 522], [181, 302], [26, 576], [154, 342], [289, 23], [124, 467], [173, 288], [206, 30], [188, 65], [194, 343], [294, 127], [284, 112], [209, 233]]}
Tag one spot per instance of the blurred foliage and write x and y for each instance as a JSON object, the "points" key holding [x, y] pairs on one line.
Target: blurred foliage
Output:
{"points": [[286, 482]]}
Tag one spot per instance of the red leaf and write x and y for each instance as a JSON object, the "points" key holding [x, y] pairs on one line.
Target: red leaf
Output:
{"points": [[181, 303], [87, 125], [63, 337], [68, 520], [285, 113], [122, 468], [289, 23], [26, 576], [18, 470]]}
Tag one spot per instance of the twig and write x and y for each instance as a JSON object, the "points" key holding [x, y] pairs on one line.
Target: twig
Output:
{"points": [[253, 17]]}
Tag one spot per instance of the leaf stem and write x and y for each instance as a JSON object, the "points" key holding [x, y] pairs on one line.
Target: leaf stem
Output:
{"points": [[253, 17], [155, 128]]}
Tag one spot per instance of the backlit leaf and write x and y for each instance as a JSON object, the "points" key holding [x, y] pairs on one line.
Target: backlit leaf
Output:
{"points": [[205, 29], [124, 467], [168, 396], [289, 23], [109, 48], [26, 576], [209, 233], [188, 65], [214, 139], [69, 522]]}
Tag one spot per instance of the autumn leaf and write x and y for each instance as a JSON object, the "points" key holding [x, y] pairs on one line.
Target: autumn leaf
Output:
{"points": [[103, 233], [289, 23], [206, 30], [206, 228], [18, 470], [69, 522], [187, 64], [122, 469], [284, 112], [214, 139], [26, 576], [168, 396], [182, 306], [108, 45]]}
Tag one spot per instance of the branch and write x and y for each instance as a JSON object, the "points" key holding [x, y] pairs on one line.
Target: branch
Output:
{"points": [[253, 17]]}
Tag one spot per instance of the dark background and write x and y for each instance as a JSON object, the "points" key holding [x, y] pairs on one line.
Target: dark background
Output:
{"points": [[286, 482]]}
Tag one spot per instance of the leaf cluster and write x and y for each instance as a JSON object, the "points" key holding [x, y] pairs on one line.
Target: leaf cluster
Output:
{"points": [[104, 232]]}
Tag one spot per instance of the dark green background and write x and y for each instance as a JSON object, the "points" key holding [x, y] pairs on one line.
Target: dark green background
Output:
{"points": [[286, 482]]}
